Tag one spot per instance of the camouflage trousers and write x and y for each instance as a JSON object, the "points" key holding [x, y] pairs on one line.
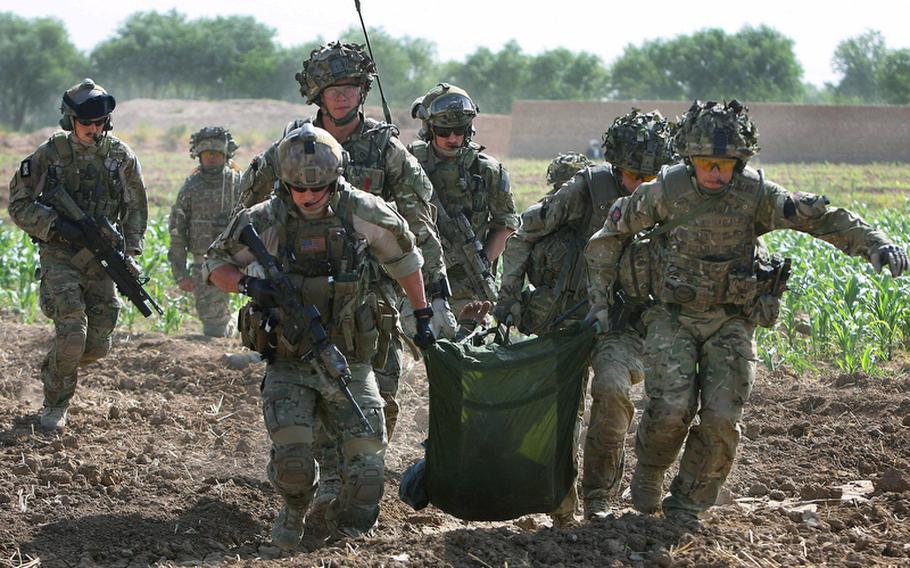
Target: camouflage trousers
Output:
{"points": [[80, 298], [617, 363], [700, 362], [294, 399], [212, 305]]}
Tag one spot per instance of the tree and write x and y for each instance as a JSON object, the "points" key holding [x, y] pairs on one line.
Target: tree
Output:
{"points": [[859, 59], [893, 77], [38, 63], [493, 80], [560, 74], [753, 64]]}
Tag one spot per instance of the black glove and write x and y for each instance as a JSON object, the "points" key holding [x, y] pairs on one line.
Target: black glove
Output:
{"points": [[424, 337], [69, 231], [892, 256], [260, 290]]}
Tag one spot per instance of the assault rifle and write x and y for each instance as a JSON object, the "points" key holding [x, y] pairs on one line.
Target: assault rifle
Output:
{"points": [[106, 245], [304, 321], [461, 247]]}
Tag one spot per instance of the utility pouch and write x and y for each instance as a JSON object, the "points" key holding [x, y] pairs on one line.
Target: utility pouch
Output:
{"points": [[741, 288], [367, 340], [771, 275], [255, 329], [387, 329], [635, 271], [695, 283]]}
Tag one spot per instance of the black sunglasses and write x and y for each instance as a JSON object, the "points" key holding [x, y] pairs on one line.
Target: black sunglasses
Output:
{"points": [[446, 132], [90, 122], [297, 189]]}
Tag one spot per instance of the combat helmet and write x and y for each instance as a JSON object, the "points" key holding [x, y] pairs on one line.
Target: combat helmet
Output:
{"points": [[564, 166], [331, 63], [446, 106], [214, 139], [639, 142], [310, 157], [715, 129], [86, 100]]}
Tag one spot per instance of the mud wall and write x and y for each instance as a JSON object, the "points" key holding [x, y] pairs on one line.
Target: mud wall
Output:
{"points": [[787, 132]]}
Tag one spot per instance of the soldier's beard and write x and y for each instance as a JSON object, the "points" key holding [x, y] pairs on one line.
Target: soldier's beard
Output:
{"points": [[97, 137]]}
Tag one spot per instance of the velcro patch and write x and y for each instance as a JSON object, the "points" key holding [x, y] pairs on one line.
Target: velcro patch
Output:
{"points": [[25, 168], [616, 214], [312, 245]]}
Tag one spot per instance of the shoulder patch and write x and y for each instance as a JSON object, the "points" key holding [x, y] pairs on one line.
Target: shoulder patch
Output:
{"points": [[616, 214], [506, 183], [25, 167]]}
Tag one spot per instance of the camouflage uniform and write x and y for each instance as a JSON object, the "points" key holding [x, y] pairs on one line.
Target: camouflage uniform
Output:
{"points": [[379, 164], [699, 348], [105, 180], [548, 250], [204, 205], [324, 260], [471, 183]]}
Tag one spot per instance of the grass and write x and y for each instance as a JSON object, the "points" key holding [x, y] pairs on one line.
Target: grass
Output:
{"points": [[837, 309]]}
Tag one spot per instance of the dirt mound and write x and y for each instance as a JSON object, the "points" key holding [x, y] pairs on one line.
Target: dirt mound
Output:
{"points": [[164, 461]]}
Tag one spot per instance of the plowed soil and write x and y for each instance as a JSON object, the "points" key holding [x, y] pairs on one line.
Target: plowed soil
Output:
{"points": [[163, 463]]}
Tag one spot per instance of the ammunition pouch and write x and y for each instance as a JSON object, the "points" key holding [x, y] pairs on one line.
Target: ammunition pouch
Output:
{"points": [[635, 274], [703, 284], [257, 329]]}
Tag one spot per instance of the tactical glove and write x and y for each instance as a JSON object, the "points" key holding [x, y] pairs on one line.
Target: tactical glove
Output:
{"points": [[444, 323], [69, 231], [599, 317], [507, 312], [424, 337], [260, 290], [892, 255]]}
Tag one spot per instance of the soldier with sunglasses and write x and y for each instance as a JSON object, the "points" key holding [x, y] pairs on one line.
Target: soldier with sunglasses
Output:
{"points": [[547, 251], [471, 187], [103, 176], [710, 285]]}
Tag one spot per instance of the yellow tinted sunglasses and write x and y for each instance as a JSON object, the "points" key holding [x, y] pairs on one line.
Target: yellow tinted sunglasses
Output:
{"points": [[723, 165]]}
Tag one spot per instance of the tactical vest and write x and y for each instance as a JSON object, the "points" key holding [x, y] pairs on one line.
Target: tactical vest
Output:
{"points": [[93, 179], [557, 268], [211, 200], [366, 170], [459, 184], [707, 260], [324, 259]]}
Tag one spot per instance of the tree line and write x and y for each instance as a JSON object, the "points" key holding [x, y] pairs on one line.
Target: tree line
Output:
{"points": [[167, 55]]}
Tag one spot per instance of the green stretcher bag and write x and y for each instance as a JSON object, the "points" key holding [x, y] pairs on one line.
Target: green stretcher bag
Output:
{"points": [[502, 421]]}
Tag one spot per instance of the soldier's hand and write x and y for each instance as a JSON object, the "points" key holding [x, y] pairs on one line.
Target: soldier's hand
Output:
{"points": [[260, 290], [443, 323], [599, 317], [424, 337], [187, 284], [507, 312], [893, 256], [69, 231]]}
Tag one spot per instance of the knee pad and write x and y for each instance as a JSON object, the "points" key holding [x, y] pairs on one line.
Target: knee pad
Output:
{"points": [[292, 469]]}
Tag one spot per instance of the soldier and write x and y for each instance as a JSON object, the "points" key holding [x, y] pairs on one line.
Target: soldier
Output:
{"points": [[548, 249], [103, 176], [471, 192], [337, 78], [319, 227], [711, 290], [204, 205]]}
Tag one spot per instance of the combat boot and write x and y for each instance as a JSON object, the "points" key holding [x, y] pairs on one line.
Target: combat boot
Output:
{"points": [[288, 528], [53, 418], [647, 487], [596, 509], [683, 517], [564, 520], [329, 489]]}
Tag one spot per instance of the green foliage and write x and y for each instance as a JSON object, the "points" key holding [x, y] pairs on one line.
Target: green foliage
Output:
{"points": [[38, 63], [754, 64], [858, 59]]}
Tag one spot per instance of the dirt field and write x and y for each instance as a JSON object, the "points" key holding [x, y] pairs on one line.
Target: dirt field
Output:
{"points": [[164, 464]]}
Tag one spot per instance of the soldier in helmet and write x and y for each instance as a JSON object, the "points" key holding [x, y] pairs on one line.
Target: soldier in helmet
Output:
{"points": [[337, 77], [103, 176], [710, 288], [319, 228], [548, 251], [471, 192], [204, 205]]}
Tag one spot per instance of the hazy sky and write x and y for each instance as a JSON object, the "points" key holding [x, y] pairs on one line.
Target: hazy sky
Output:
{"points": [[459, 27]]}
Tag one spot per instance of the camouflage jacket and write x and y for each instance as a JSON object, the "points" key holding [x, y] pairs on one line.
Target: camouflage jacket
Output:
{"points": [[706, 258], [547, 249], [202, 210], [104, 180], [381, 165]]}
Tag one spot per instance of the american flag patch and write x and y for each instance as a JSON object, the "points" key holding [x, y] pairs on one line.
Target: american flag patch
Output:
{"points": [[312, 244]]}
